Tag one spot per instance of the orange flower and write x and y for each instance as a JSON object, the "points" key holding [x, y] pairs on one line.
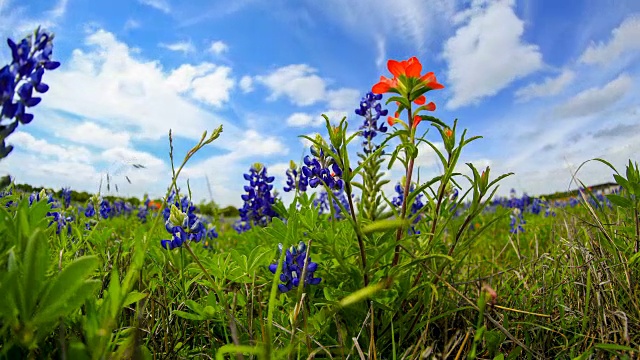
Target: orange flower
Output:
{"points": [[429, 80], [420, 100], [416, 120], [409, 68], [384, 85], [448, 132], [392, 120]]}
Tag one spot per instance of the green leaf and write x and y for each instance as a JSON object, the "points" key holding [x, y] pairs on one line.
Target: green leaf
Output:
{"points": [[69, 280], [383, 225], [133, 296], [189, 316], [71, 303], [620, 201], [361, 294], [614, 347]]}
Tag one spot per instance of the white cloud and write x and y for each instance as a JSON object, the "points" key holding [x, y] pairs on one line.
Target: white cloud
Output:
{"points": [[297, 82], [382, 52], [548, 87], [213, 88], [253, 143], [595, 99], [109, 86], [47, 150], [227, 185], [623, 39], [415, 22], [218, 47], [343, 98], [246, 84], [487, 54], [162, 5], [300, 120], [131, 24], [181, 79], [185, 47], [58, 165], [89, 133], [18, 20]]}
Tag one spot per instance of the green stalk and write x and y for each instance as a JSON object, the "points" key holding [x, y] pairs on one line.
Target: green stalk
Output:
{"points": [[407, 185]]}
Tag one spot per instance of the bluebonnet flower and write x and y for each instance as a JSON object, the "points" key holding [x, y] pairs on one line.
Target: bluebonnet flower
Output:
{"points": [[61, 221], [66, 197], [323, 203], [296, 179], [416, 206], [90, 211], [143, 211], [322, 169], [30, 58], [211, 234], [536, 206], [183, 227], [371, 110], [4, 194], [105, 209], [258, 199], [293, 266], [549, 212], [517, 221]]}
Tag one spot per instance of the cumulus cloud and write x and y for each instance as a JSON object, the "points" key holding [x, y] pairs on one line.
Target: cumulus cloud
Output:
{"points": [[246, 84], [218, 47], [108, 85], [548, 87], [162, 5], [299, 83], [596, 99], [92, 134], [185, 47], [623, 39], [487, 53], [300, 119]]}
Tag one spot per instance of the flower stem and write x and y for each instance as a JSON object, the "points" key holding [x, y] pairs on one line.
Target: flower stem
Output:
{"points": [[407, 185]]}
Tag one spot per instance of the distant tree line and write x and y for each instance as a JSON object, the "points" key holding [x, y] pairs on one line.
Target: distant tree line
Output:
{"points": [[209, 208]]}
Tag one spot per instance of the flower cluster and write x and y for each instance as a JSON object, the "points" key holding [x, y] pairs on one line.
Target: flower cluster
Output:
{"points": [[30, 58], [324, 203], [416, 206], [296, 179], [371, 110], [322, 169], [258, 200], [66, 197], [410, 85], [293, 267], [143, 211], [517, 221], [183, 227]]}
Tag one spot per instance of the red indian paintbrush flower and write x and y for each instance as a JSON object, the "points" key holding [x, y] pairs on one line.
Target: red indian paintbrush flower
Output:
{"points": [[409, 68]]}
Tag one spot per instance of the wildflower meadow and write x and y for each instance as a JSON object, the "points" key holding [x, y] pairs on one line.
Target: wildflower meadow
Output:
{"points": [[438, 268]]}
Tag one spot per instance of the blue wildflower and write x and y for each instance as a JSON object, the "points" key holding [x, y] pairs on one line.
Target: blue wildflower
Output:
{"points": [[371, 110], [258, 199], [322, 169], [293, 266], [66, 197], [30, 58], [296, 179], [416, 206], [105, 209], [517, 221], [183, 227], [61, 221]]}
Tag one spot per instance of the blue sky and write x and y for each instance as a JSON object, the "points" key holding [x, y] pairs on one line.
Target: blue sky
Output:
{"points": [[549, 84]]}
